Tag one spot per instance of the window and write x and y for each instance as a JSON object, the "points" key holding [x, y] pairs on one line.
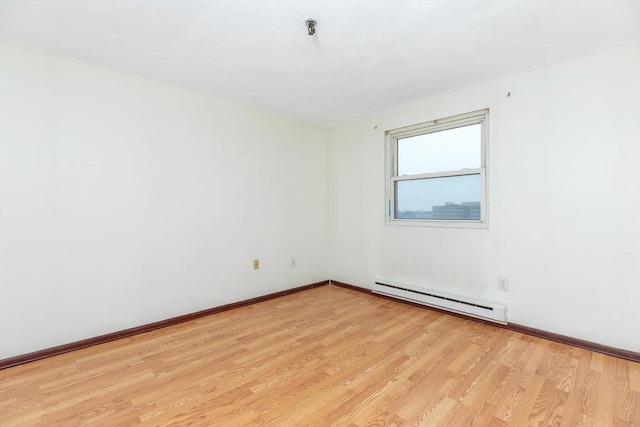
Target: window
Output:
{"points": [[437, 172]]}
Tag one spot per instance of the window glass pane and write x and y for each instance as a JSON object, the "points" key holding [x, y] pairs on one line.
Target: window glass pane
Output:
{"points": [[447, 150], [446, 198]]}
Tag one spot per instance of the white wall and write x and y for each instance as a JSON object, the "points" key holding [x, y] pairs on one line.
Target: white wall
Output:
{"points": [[126, 201], [564, 194]]}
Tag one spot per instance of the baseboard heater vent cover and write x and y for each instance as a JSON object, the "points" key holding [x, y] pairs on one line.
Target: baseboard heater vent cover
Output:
{"points": [[480, 309]]}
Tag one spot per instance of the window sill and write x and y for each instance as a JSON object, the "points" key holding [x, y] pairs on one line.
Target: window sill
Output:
{"points": [[437, 224]]}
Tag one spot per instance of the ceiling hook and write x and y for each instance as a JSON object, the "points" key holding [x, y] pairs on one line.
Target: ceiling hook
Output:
{"points": [[311, 26]]}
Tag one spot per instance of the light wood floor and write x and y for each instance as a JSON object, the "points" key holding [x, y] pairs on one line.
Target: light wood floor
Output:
{"points": [[327, 357]]}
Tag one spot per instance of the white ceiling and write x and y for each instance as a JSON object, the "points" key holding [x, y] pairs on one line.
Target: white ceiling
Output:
{"points": [[367, 56]]}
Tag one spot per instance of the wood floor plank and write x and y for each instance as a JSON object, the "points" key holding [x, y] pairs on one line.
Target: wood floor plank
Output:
{"points": [[327, 356]]}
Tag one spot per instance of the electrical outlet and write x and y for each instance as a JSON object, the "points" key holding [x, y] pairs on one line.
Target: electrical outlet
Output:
{"points": [[293, 262], [256, 264], [503, 283]]}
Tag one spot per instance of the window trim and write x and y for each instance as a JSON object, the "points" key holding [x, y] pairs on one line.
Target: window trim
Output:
{"points": [[391, 166]]}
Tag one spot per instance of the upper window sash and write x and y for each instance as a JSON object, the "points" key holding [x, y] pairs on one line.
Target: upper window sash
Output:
{"points": [[477, 117]]}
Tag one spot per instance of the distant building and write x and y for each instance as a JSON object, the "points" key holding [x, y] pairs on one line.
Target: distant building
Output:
{"points": [[448, 211], [454, 211]]}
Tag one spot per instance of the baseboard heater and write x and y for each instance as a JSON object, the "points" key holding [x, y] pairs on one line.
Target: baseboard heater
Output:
{"points": [[480, 309]]}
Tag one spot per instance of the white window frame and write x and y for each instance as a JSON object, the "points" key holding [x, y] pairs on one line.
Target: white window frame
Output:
{"points": [[392, 137]]}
